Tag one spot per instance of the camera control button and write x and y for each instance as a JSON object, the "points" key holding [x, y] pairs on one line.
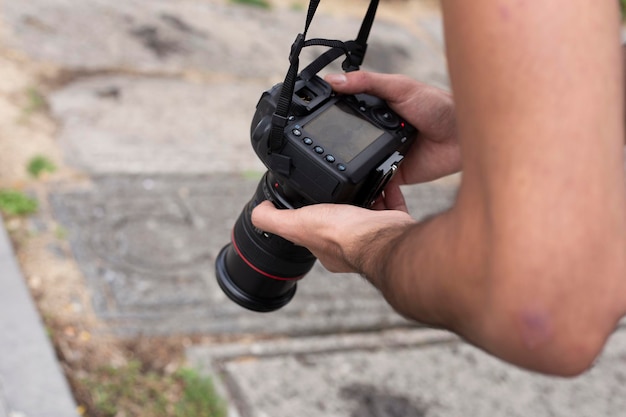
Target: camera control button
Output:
{"points": [[329, 158], [341, 167], [318, 149], [307, 141], [386, 117], [296, 132]]}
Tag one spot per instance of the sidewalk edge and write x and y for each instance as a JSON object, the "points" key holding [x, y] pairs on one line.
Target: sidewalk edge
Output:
{"points": [[31, 378]]}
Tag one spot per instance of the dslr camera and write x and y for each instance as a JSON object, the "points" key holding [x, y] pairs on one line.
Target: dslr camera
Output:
{"points": [[319, 147]]}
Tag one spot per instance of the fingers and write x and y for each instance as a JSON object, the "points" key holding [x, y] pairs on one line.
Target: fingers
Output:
{"points": [[428, 108], [389, 87], [391, 198], [300, 226], [394, 199], [339, 235], [295, 226], [268, 218]]}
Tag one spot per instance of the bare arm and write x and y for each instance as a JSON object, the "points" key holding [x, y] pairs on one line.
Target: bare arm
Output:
{"points": [[530, 263], [538, 89]]}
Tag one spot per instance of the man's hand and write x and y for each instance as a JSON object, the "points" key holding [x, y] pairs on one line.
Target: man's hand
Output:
{"points": [[344, 238], [436, 151]]}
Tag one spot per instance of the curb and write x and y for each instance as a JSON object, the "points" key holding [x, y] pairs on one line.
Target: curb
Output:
{"points": [[31, 381]]}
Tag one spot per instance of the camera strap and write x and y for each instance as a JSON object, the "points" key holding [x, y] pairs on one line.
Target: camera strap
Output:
{"points": [[353, 50]]}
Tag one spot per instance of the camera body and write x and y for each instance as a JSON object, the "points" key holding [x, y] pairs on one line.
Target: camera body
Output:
{"points": [[335, 148]]}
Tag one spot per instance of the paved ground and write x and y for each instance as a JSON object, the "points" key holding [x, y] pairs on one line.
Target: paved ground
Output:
{"points": [[153, 106], [31, 382]]}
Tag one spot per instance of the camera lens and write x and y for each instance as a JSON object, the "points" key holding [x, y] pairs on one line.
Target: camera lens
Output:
{"points": [[259, 271]]}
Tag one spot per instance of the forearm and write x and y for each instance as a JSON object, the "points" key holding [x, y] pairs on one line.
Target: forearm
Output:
{"points": [[436, 272], [450, 272], [417, 273]]}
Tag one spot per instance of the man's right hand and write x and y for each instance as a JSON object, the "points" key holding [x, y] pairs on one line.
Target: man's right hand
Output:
{"points": [[436, 151]]}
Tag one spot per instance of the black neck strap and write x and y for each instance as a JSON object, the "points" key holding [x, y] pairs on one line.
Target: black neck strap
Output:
{"points": [[353, 50]]}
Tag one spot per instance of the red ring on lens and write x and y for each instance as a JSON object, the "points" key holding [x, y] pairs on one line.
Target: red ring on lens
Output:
{"points": [[257, 269]]}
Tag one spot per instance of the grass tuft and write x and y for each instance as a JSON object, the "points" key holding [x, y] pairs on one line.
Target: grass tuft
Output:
{"points": [[16, 203], [199, 397], [131, 390], [264, 4], [40, 164]]}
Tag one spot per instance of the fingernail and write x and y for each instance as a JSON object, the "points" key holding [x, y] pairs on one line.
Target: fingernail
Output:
{"points": [[336, 79]]}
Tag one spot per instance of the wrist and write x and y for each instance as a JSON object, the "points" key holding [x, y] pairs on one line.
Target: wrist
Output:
{"points": [[403, 273], [375, 262]]}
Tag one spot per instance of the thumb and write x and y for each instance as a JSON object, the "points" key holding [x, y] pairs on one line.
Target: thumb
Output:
{"points": [[265, 216], [392, 88], [280, 222]]}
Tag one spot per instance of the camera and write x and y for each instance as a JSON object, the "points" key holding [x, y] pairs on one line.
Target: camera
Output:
{"points": [[319, 147], [336, 149]]}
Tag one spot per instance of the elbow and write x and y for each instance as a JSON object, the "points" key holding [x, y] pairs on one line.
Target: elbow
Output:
{"points": [[554, 322], [565, 354], [548, 286], [552, 344], [546, 338]]}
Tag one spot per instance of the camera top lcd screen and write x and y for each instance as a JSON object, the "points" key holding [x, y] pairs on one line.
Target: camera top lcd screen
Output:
{"points": [[341, 132]]}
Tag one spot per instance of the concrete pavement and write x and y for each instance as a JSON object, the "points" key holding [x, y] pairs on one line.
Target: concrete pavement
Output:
{"points": [[405, 373], [31, 381], [154, 107]]}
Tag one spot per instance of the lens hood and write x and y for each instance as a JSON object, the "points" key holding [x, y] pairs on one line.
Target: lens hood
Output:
{"points": [[239, 296]]}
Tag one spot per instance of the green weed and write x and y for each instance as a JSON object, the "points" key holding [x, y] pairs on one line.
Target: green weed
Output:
{"points": [[36, 101], [40, 164], [132, 391], [16, 203], [199, 397], [257, 3], [115, 390]]}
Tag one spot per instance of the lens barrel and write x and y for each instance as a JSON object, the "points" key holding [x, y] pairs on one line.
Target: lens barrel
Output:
{"points": [[257, 270]]}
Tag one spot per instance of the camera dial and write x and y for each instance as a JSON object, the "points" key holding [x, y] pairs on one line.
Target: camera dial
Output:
{"points": [[386, 117]]}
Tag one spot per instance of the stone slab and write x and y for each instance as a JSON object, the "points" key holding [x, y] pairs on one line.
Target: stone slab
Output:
{"points": [[147, 247], [31, 381], [174, 36], [162, 124], [130, 125], [407, 375]]}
